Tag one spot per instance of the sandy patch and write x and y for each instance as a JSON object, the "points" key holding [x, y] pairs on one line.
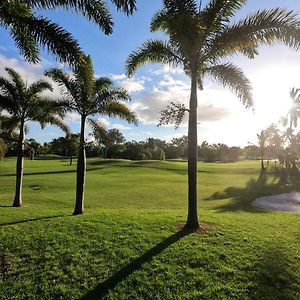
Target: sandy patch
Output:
{"points": [[283, 202]]}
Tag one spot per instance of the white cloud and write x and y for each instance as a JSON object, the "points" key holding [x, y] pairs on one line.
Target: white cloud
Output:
{"points": [[72, 117], [146, 132], [165, 69], [132, 85], [104, 122], [149, 105], [118, 77], [169, 81], [121, 127]]}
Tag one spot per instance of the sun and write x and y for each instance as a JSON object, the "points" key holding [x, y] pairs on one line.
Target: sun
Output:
{"points": [[271, 92]]}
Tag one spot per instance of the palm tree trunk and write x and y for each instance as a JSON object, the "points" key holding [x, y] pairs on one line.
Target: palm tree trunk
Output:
{"points": [[19, 169], [81, 171], [192, 220]]}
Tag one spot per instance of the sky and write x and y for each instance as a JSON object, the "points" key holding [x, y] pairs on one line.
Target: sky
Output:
{"points": [[222, 118]]}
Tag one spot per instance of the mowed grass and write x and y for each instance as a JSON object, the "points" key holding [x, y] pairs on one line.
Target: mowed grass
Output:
{"points": [[127, 245]]}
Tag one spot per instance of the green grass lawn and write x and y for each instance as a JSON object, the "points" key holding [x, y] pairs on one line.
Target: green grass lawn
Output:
{"points": [[127, 246]]}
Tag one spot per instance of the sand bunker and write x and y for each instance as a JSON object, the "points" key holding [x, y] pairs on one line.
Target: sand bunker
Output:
{"points": [[284, 202]]}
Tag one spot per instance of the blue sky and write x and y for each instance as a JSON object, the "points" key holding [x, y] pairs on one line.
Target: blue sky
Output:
{"points": [[221, 117]]}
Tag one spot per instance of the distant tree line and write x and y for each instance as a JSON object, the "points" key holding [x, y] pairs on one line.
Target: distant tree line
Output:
{"points": [[114, 145]]}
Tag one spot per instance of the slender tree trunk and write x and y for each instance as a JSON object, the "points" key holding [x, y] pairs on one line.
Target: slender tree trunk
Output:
{"points": [[192, 220], [19, 169], [262, 163], [71, 159], [81, 171]]}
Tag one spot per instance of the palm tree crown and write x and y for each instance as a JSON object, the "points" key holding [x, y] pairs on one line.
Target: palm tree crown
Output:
{"points": [[89, 96], [200, 40], [27, 103]]}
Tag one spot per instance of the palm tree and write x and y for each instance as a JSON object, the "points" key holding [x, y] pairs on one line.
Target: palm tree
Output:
{"points": [[294, 113], [27, 104], [276, 140], [88, 97], [30, 31], [198, 41], [263, 138]]}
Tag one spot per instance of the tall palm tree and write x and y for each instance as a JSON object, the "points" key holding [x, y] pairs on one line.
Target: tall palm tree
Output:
{"points": [[89, 97], [198, 41], [26, 103], [30, 31]]}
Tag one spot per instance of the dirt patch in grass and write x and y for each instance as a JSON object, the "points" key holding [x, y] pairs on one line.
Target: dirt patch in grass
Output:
{"points": [[204, 228]]}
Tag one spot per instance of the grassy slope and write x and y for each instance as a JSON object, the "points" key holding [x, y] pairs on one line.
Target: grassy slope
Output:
{"points": [[126, 245]]}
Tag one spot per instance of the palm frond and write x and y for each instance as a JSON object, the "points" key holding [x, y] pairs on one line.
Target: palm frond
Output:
{"points": [[64, 80], [98, 128], [9, 97], [152, 51], [25, 43], [94, 10], [7, 88], [265, 27], [218, 12], [127, 6], [10, 14], [295, 95], [230, 76], [54, 38], [159, 21], [54, 120], [17, 80], [111, 95], [103, 83], [38, 87], [84, 75], [118, 109], [181, 6]]}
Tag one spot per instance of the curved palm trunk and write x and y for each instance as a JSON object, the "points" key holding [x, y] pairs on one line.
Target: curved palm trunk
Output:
{"points": [[81, 171], [192, 220], [19, 169]]}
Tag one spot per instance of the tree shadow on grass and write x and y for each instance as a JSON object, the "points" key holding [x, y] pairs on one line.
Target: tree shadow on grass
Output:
{"points": [[104, 287], [268, 183], [274, 276], [149, 164], [31, 220], [50, 172], [40, 173]]}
